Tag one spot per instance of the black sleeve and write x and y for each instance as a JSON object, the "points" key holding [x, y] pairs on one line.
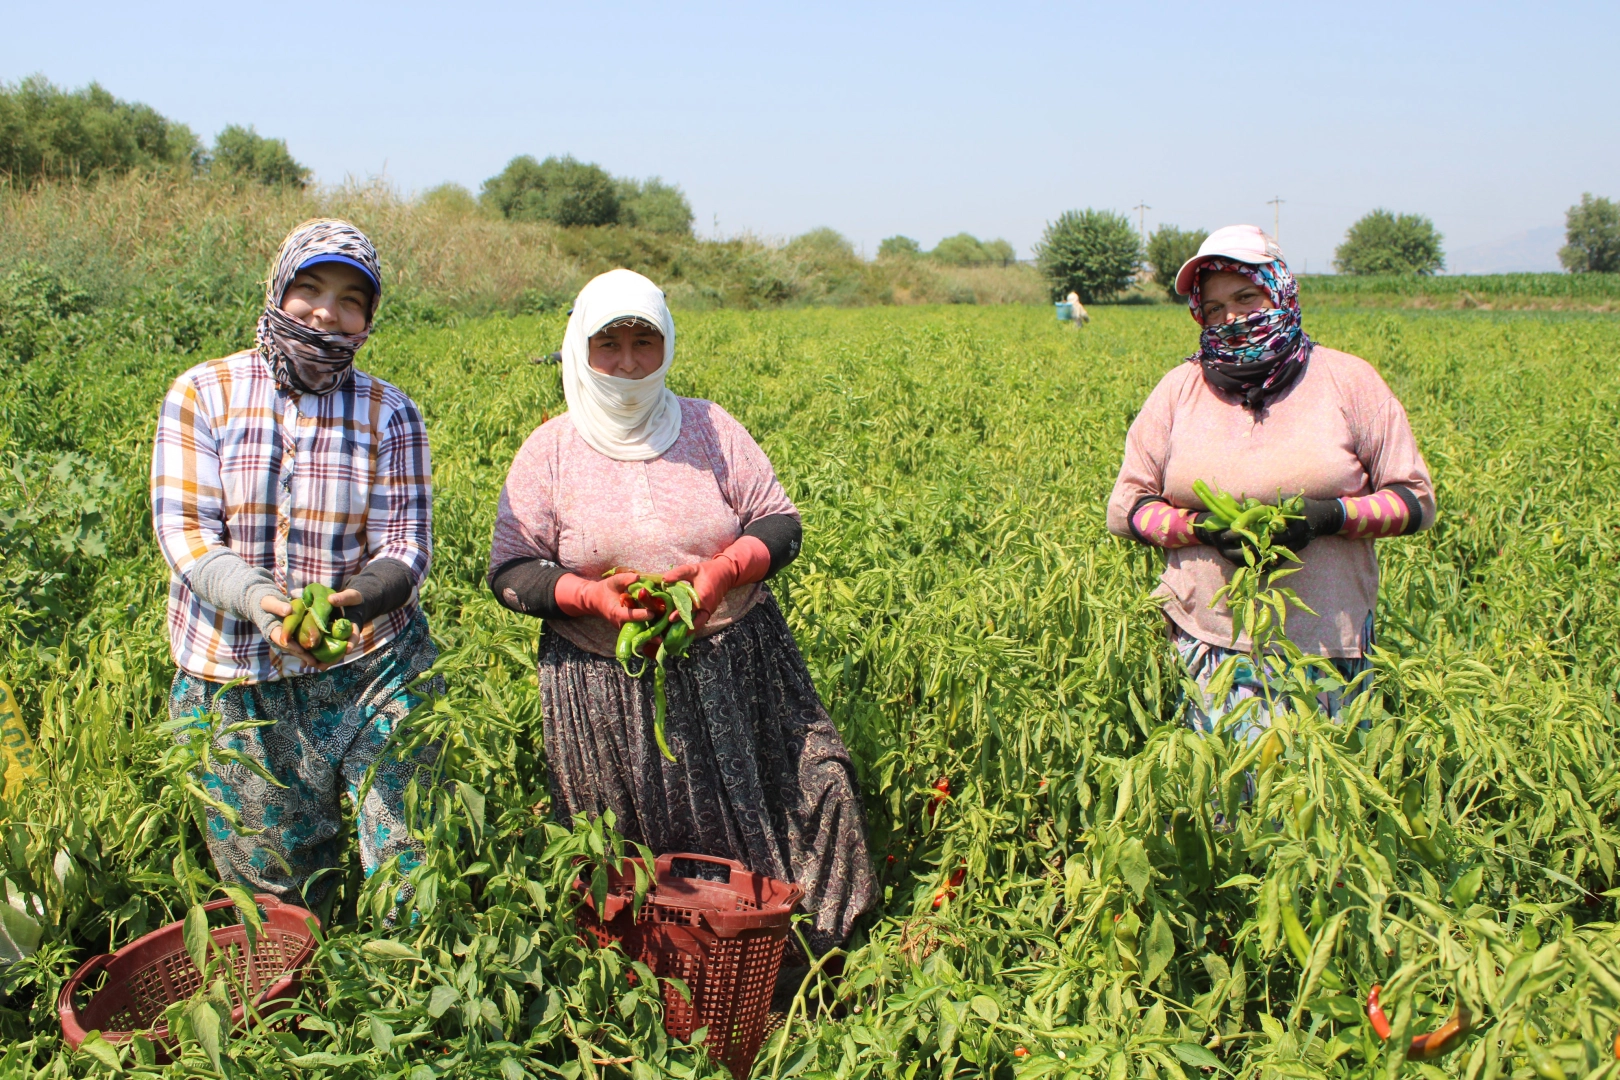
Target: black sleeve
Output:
{"points": [[384, 585], [1414, 509], [782, 535], [527, 586]]}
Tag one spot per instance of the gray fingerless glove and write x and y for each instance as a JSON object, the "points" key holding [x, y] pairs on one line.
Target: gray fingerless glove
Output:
{"points": [[222, 579]]}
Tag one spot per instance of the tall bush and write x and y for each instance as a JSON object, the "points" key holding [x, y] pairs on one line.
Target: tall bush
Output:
{"points": [[1592, 232], [243, 152], [1092, 252], [899, 247], [1387, 243], [965, 249], [1167, 249], [46, 131], [654, 205], [558, 189]]}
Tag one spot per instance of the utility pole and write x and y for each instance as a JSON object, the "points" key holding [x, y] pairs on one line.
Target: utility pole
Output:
{"points": [[1276, 217], [1141, 209]]}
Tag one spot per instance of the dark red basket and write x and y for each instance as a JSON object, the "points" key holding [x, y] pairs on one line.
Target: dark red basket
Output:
{"points": [[155, 971], [724, 938]]}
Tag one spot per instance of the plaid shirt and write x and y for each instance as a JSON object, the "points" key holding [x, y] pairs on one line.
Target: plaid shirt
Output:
{"points": [[310, 488]]}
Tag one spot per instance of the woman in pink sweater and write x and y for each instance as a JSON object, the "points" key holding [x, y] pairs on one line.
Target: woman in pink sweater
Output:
{"points": [[1261, 410], [633, 476]]}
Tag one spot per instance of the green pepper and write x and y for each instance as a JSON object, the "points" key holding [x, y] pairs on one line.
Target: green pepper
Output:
{"points": [[342, 629], [321, 606], [624, 648], [289, 625], [1294, 930], [330, 651], [309, 633]]}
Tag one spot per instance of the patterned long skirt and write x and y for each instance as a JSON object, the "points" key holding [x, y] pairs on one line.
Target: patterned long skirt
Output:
{"points": [[762, 775]]}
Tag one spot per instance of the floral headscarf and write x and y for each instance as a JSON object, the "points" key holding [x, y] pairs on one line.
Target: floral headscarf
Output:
{"points": [[302, 358], [1259, 355]]}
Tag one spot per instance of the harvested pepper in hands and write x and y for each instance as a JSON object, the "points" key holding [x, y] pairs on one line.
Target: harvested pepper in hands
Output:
{"points": [[324, 637], [666, 638]]}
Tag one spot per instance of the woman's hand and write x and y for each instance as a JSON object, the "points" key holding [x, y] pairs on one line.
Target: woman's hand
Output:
{"points": [[605, 598], [275, 605], [1228, 544], [746, 561]]}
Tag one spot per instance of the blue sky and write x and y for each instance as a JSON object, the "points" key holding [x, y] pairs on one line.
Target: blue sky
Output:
{"points": [[926, 120]]}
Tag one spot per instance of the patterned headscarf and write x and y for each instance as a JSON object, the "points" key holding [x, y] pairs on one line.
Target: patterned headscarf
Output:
{"points": [[304, 359], [1259, 355]]}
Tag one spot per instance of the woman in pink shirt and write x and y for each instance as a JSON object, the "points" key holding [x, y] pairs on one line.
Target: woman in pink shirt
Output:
{"points": [[1261, 410], [633, 476]]}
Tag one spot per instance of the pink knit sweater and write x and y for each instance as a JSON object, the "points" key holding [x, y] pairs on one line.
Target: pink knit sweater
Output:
{"points": [[1337, 432], [566, 503]]}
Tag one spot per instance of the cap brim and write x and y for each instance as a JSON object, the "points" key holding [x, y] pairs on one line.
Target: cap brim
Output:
{"points": [[317, 260], [1189, 269]]}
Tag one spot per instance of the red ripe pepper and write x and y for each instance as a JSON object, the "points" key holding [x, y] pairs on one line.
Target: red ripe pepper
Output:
{"points": [[1375, 1014], [942, 791], [948, 891]]}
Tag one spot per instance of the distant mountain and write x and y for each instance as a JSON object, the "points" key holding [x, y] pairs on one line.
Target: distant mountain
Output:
{"points": [[1534, 250]]}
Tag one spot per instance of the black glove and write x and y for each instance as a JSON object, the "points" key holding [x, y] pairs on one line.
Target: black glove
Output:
{"points": [[1323, 517], [1227, 543]]}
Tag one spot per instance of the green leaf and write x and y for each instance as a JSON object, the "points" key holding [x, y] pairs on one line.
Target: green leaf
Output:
{"points": [[985, 1008], [1161, 947], [1134, 866], [511, 1070], [1467, 887], [1197, 1056], [205, 1027], [382, 1034], [195, 935], [389, 949], [442, 998], [103, 1051]]}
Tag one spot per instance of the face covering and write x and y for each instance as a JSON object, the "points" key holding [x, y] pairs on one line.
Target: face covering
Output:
{"points": [[302, 358], [1259, 355], [624, 419]]}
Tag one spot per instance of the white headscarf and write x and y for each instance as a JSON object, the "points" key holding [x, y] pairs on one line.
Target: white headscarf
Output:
{"points": [[624, 419]]}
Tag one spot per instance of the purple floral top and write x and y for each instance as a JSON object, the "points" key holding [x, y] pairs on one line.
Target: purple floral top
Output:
{"points": [[568, 504]]}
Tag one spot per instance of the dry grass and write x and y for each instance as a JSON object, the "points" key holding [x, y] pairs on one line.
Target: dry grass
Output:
{"points": [[116, 235]]}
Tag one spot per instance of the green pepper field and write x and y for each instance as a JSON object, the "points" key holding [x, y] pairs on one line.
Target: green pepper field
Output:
{"points": [[967, 617]]}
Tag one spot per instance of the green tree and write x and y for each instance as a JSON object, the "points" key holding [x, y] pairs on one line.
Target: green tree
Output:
{"points": [[1092, 252], [899, 247], [48, 132], [243, 152], [999, 253], [655, 206], [963, 249], [449, 198], [1592, 232], [562, 190], [1167, 249], [1387, 243]]}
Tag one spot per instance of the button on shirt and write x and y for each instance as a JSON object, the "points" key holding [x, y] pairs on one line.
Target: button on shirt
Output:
{"points": [[311, 488]]}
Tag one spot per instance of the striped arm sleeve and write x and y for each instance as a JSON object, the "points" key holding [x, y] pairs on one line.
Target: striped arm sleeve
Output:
{"points": [[1394, 511], [1156, 522]]}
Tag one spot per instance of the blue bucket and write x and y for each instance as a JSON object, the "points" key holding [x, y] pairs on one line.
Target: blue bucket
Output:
{"points": [[1065, 311]]}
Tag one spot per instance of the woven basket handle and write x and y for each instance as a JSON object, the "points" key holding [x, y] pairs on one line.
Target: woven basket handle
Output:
{"points": [[66, 1011], [665, 864]]}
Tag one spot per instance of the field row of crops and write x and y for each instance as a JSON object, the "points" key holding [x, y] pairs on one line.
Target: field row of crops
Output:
{"points": [[965, 616]]}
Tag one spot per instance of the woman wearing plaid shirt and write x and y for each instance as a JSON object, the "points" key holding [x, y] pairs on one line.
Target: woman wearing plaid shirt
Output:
{"points": [[274, 468]]}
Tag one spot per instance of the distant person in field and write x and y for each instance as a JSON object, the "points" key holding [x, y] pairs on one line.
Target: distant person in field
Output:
{"points": [[1261, 409], [275, 467], [1077, 310], [632, 476]]}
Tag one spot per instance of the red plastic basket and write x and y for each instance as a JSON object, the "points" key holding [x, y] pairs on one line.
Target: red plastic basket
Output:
{"points": [[723, 938], [153, 972]]}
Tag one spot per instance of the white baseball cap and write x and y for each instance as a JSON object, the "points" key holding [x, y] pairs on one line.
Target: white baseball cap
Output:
{"points": [[1240, 243]]}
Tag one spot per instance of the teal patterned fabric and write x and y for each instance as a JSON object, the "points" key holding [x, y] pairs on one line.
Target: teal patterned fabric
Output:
{"points": [[328, 729], [1201, 659]]}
